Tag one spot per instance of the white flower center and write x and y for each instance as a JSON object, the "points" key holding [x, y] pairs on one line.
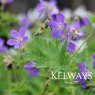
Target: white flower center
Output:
{"points": [[20, 40], [75, 31], [61, 26]]}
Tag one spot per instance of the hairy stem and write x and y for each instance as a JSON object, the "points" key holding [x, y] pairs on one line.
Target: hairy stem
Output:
{"points": [[46, 85]]}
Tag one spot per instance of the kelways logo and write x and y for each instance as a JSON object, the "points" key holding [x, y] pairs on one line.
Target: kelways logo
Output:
{"points": [[71, 75]]}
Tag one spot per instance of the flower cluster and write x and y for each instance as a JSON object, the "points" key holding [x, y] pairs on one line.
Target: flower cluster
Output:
{"points": [[67, 32], [51, 53]]}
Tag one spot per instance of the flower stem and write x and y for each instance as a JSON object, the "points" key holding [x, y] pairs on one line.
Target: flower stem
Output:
{"points": [[20, 68], [46, 86], [15, 75], [73, 91], [57, 46], [81, 46], [47, 82]]}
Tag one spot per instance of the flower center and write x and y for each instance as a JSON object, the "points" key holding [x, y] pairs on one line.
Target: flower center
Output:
{"points": [[75, 31], [61, 26], [19, 40]]}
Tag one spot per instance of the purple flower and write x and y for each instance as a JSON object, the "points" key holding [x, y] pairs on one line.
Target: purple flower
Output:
{"points": [[94, 60], [53, 9], [83, 80], [83, 71], [47, 7], [2, 47], [71, 46], [25, 22], [6, 1], [82, 67], [75, 30], [9, 66], [58, 25], [33, 71], [84, 21], [41, 7], [19, 38]]}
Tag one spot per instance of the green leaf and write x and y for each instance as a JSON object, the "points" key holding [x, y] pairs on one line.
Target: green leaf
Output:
{"points": [[7, 22], [92, 19], [44, 53], [19, 87]]}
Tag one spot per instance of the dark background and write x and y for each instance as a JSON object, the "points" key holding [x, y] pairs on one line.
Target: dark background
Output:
{"points": [[23, 5]]}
